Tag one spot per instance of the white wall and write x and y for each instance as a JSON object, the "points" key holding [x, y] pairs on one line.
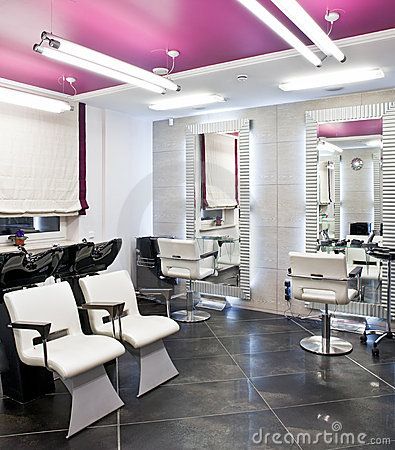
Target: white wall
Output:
{"points": [[119, 182]]}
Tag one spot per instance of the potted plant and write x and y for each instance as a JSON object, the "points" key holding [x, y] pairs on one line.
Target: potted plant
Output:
{"points": [[19, 238]]}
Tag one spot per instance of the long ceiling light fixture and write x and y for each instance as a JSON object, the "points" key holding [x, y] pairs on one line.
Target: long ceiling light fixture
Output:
{"points": [[266, 17], [33, 101], [77, 55], [332, 79], [295, 12], [187, 101]]}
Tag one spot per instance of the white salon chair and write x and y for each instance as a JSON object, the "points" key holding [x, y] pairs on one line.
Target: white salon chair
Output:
{"points": [[181, 258], [142, 333], [323, 278], [48, 334]]}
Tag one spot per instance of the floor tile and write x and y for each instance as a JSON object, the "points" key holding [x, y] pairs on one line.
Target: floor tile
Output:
{"points": [[249, 327], [285, 362], [213, 368], [227, 432], [189, 400], [260, 343], [51, 412], [191, 330], [374, 417], [194, 348], [103, 438], [384, 371], [320, 386], [240, 314]]}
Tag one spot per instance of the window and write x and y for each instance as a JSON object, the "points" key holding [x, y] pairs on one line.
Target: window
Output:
{"points": [[35, 228]]}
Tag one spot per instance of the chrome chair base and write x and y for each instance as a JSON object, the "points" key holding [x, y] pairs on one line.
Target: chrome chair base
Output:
{"points": [[319, 346], [194, 315]]}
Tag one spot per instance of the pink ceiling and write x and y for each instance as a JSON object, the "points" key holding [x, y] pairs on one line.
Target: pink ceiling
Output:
{"points": [[204, 31]]}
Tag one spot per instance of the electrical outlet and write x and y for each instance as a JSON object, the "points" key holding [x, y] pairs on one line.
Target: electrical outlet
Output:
{"points": [[91, 234]]}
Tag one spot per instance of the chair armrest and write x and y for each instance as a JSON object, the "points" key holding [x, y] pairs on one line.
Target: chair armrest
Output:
{"points": [[166, 293], [115, 310], [42, 328], [208, 254], [356, 272]]}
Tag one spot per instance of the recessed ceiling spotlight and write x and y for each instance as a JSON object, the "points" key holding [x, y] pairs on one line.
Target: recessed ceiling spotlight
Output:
{"points": [[334, 89], [71, 80], [162, 71], [242, 78]]}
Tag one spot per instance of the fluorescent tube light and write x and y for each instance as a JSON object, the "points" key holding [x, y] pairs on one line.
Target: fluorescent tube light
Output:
{"points": [[332, 79], [187, 101], [296, 13], [101, 70], [33, 101], [266, 17], [119, 69]]}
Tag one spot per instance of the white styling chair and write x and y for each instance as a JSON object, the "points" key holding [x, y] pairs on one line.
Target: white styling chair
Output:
{"points": [[48, 334], [181, 258], [142, 333], [323, 278]]}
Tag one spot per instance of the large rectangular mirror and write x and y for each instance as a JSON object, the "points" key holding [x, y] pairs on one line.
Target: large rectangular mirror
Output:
{"points": [[350, 159], [218, 203]]}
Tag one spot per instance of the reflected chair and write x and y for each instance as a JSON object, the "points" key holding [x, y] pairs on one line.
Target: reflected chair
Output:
{"points": [[48, 334], [323, 278], [144, 334], [182, 259]]}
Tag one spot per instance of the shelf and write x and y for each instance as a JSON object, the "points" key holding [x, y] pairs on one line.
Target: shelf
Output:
{"points": [[233, 225]]}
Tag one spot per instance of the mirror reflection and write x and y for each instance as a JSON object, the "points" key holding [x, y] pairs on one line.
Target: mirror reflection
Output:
{"points": [[350, 195], [217, 203]]}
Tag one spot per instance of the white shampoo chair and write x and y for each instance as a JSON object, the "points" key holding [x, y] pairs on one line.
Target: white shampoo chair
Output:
{"points": [[323, 278], [143, 333], [47, 333]]}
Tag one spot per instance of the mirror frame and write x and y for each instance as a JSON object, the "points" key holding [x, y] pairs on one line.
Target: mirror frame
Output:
{"points": [[241, 126], [385, 111]]}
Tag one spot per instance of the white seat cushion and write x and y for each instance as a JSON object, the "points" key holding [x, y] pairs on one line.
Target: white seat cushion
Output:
{"points": [[75, 354], [322, 296], [179, 272], [139, 331]]}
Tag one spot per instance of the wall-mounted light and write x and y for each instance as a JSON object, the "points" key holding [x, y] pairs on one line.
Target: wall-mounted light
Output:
{"points": [[295, 12], [332, 79], [187, 101], [33, 101], [77, 55], [267, 18]]}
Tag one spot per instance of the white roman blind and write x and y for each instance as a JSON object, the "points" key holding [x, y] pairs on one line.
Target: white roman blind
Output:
{"points": [[39, 162]]}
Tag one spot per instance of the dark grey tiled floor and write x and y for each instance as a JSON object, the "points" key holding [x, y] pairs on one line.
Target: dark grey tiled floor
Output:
{"points": [[244, 382]]}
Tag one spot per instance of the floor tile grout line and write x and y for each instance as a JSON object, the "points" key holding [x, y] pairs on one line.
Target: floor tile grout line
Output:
{"points": [[256, 390], [232, 335], [352, 360], [169, 419], [388, 394]]}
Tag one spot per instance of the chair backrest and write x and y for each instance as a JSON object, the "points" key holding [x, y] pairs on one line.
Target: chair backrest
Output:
{"points": [[320, 266], [53, 303], [180, 258], [110, 287]]}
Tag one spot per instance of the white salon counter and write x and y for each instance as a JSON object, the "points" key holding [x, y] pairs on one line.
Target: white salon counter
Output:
{"points": [[34, 247]]}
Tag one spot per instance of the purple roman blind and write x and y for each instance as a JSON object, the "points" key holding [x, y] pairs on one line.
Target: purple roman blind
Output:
{"points": [[82, 155]]}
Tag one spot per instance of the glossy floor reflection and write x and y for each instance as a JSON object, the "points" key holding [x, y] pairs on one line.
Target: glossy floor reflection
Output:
{"points": [[244, 382]]}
